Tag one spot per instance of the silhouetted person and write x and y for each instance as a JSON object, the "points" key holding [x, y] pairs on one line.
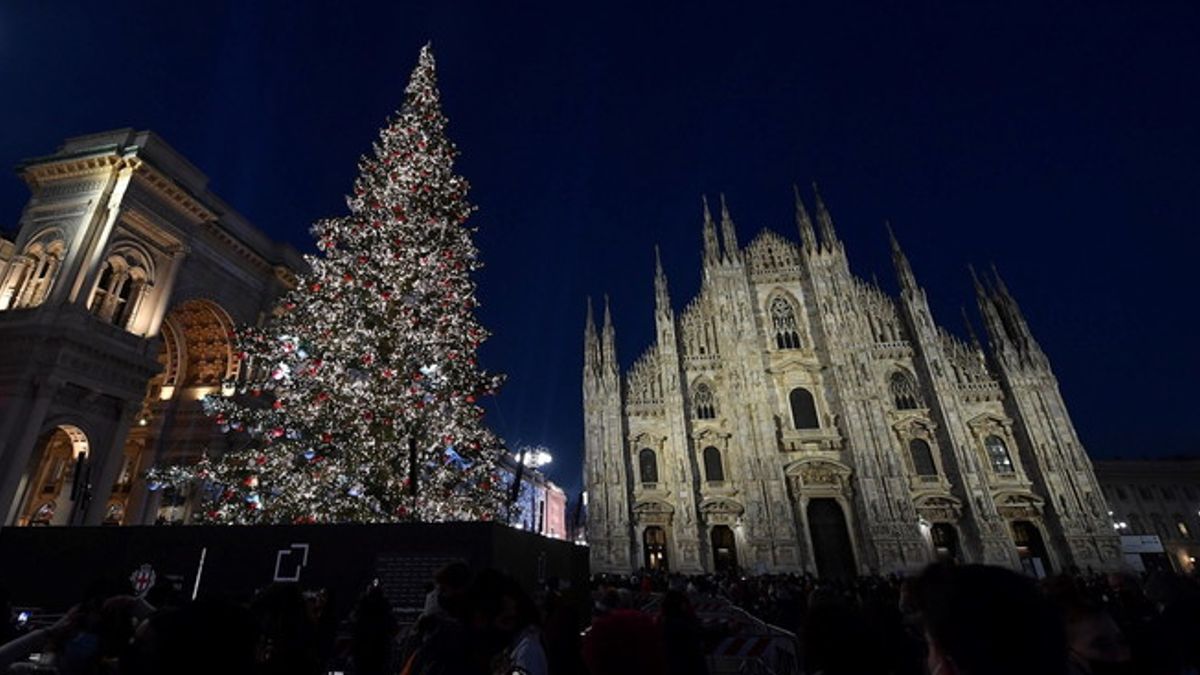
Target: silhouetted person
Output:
{"points": [[373, 633], [1095, 643], [623, 642], [288, 637], [682, 637], [982, 620], [201, 638]]}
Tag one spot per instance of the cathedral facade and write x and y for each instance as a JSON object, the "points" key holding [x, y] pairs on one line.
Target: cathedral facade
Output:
{"points": [[118, 298], [794, 417]]}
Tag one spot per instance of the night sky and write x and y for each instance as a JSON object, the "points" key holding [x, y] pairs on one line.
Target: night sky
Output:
{"points": [[1064, 145]]}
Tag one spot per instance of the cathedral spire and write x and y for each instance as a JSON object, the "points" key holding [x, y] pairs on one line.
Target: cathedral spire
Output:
{"points": [[1014, 317], [824, 220], [991, 318], [591, 345], [807, 236], [662, 297], [728, 232], [974, 339], [904, 273], [712, 250], [608, 344]]}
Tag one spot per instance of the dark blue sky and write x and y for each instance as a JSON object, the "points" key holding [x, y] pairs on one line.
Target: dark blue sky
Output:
{"points": [[1063, 144]]}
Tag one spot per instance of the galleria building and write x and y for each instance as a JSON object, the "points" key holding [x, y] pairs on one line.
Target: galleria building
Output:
{"points": [[794, 417], [118, 298]]}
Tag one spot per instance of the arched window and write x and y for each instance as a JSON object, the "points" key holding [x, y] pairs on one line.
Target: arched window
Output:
{"points": [[38, 269], [102, 287], [123, 279], [922, 457], [648, 466], [704, 402], [998, 455], [783, 321], [904, 391], [713, 470], [804, 409]]}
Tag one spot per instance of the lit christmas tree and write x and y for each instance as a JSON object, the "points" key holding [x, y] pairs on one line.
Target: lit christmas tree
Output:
{"points": [[358, 401]]}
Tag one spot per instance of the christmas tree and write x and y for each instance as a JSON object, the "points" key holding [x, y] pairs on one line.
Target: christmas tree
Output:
{"points": [[358, 399]]}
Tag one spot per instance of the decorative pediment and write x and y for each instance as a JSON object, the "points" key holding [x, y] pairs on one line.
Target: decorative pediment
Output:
{"points": [[1016, 505], [709, 436], [722, 506], [652, 512], [823, 473], [989, 423], [653, 507], [938, 508], [913, 423], [646, 440], [793, 363]]}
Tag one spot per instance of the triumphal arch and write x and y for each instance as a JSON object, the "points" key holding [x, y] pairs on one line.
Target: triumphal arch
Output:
{"points": [[118, 297]]}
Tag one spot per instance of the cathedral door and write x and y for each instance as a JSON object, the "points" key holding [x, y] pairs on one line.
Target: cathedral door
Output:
{"points": [[1031, 549], [945, 541], [724, 549], [830, 539], [654, 548]]}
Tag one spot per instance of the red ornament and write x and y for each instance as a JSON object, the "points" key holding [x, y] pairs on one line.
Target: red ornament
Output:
{"points": [[262, 459], [326, 438], [277, 405], [315, 287], [347, 277], [470, 399]]}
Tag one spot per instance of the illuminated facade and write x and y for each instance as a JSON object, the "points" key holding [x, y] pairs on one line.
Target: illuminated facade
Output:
{"points": [[117, 301], [794, 417]]}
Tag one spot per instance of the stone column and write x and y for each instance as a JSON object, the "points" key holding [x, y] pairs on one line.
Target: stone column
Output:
{"points": [[16, 455], [108, 465]]}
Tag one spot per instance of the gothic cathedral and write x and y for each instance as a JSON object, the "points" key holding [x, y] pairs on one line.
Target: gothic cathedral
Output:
{"points": [[794, 417]]}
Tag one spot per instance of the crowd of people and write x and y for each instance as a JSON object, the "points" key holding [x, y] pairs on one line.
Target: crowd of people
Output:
{"points": [[948, 620]]}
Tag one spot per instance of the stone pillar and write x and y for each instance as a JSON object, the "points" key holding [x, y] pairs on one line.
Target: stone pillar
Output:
{"points": [[16, 455], [108, 465]]}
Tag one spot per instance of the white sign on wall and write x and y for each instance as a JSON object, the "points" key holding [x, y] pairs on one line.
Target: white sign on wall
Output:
{"points": [[1141, 543]]}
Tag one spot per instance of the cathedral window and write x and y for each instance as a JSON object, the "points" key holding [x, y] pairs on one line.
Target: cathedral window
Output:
{"points": [[804, 409], [704, 402], [904, 391], [922, 457], [783, 320], [648, 466], [713, 470], [998, 455]]}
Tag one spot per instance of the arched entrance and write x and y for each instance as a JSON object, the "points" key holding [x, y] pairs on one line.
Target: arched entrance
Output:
{"points": [[58, 480], [724, 549], [654, 548], [197, 358], [945, 542], [832, 550], [1031, 549]]}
